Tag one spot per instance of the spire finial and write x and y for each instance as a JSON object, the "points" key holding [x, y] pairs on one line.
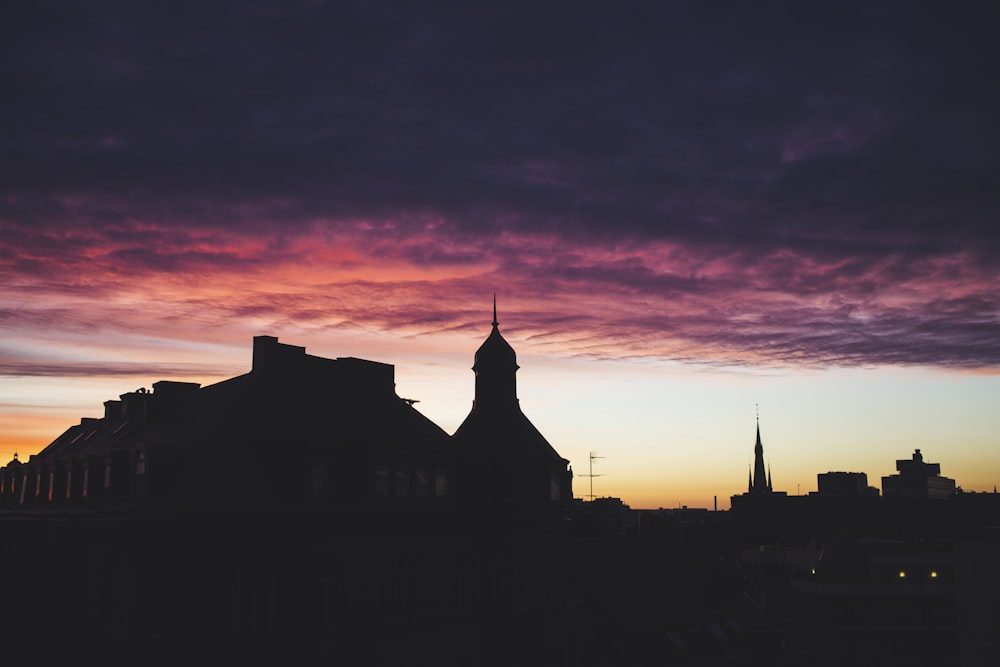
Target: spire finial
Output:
{"points": [[495, 323]]}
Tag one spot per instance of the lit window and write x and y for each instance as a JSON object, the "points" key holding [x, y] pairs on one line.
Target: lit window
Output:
{"points": [[69, 483], [38, 484], [812, 571], [52, 483], [86, 480], [902, 574], [934, 574]]}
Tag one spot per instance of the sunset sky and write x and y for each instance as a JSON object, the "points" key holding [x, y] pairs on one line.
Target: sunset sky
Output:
{"points": [[688, 211]]}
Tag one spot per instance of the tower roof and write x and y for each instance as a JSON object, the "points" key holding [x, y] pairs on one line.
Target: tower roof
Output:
{"points": [[761, 482], [495, 350]]}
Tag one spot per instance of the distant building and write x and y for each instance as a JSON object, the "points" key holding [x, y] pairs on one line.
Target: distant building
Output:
{"points": [[759, 483], [844, 484], [917, 479]]}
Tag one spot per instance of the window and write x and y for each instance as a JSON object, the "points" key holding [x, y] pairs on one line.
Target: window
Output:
{"points": [[107, 475], [402, 480], [382, 480], [69, 483], [440, 482], [86, 481], [38, 484], [52, 483], [423, 482]]}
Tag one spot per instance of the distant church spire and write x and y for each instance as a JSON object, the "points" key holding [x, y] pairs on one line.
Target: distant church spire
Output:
{"points": [[495, 323], [761, 484]]}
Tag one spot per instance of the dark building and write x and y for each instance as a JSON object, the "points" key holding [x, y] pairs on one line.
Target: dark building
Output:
{"points": [[301, 430], [917, 479], [509, 465], [759, 483], [297, 429], [844, 484]]}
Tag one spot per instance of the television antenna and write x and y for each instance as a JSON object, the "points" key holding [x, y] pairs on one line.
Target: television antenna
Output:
{"points": [[591, 475]]}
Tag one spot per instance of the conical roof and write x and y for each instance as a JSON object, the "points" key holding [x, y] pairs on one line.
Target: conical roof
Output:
{"points": [[495, 350]]}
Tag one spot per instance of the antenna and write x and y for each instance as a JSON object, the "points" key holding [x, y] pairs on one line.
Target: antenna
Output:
{"points": [[591, 475]]}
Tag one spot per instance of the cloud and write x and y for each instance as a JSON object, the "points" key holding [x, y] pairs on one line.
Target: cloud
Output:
{"points": [[772, 185]]}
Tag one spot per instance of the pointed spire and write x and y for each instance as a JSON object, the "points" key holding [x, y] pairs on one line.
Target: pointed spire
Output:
{"points": [[495, 323], [749, 478], [769, 487], [761, 484]]}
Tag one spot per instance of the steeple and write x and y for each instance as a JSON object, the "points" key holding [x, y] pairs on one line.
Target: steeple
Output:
{"points": [[509, 466], [761, 484], [495, 367]]}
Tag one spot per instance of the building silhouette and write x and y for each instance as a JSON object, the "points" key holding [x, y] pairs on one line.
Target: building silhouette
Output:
{"points": [[917, 479], [844, 484], [509, 465], [297, 429], [759, 483], [301, 431]]}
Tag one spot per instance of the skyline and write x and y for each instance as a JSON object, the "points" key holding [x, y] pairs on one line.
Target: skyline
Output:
{"points": [[685, 211]]}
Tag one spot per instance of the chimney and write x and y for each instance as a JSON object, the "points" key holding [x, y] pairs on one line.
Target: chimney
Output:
{"points": [[134, 404], [112, 409], [269, 354]]}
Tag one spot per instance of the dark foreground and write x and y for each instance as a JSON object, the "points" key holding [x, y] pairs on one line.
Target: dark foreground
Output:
{"points": [[320, 588]]}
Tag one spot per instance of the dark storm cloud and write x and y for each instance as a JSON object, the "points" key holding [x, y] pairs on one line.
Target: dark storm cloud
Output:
{"points": [[814, 151]]}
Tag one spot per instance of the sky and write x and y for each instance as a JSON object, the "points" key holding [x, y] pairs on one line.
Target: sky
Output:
{"points": [[690, 213]]}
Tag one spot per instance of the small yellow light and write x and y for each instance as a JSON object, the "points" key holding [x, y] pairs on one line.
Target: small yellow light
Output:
{"points": [[902, 574], [813, 570], [933, 574]]}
